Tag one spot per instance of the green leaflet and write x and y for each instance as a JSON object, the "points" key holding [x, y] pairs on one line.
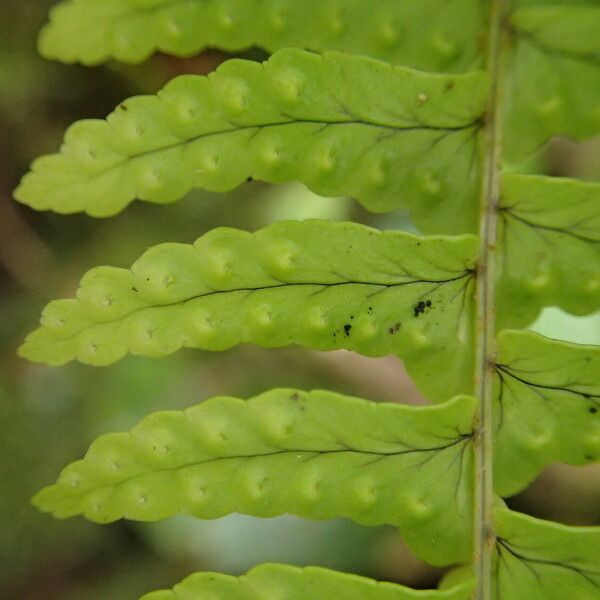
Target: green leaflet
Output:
{"points": [[318, 455], [320, 284], [268, 581], [541, 560], [547, 407], [548, 247], [92, 31], [554, 87], [341, 124]]}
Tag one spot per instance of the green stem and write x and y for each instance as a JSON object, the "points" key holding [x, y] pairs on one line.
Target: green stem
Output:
{"points": [[486, 290]]}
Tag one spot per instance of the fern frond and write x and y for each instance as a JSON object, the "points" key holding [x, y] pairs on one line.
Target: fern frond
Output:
{"points": [[547, 407], [265, 581], [541, 560], [92, 31], [343, 125], [555, 79], [317, 455], [320, 284], [549, 247]]}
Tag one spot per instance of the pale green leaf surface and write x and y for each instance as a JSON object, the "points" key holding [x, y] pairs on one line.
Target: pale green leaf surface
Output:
{"points": [[319, 284], [541, 560], [548, 247], [547, 407], [342, 125], [265, 581], [92, 31], [554, 86], [318, 455]]}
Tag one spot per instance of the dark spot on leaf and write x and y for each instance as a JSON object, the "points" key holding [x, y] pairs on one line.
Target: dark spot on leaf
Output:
{"points": [[123, 107], [347, 328], [419, 308], [134, 289], [593, 410], [249, 179], [589, 457], [449, 85], [395, 328], [351, 316], [295, 397]]}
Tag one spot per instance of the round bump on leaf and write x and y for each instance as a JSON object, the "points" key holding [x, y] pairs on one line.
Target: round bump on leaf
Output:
{"points": [[418, 508], [366, 492], [283, 256], [539, 282], [209, 163], [431, 185], [365, 329], [288, 84], [550, 106], [271, 153], [311, 489], [317, 318], [226, 20], [173, 29], [277, 21], [149, 179], [389, 33], [256, 483], [325, 160], [262, 315], [378, 173], [592, 442], [539, 439], [234, 94], [441, 44], [593, 285], [418, 337], [203, 323], [337, 25]]}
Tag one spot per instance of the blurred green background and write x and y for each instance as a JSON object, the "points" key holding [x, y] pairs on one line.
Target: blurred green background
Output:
{"points": [[49, 416]]}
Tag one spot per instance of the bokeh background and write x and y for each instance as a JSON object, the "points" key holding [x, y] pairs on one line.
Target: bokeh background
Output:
{"points": [[49, 416]]}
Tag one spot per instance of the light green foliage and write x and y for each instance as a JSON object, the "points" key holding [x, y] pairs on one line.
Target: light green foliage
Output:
{"points": [[298, 584], [549, 247], [300, 116], [393, 138], [317, 455], [320, 284], [547, 407], [555, 76], [263, 582], [540, 560], [91, 31]]}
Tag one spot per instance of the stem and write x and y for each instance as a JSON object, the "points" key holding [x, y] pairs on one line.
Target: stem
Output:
{"points": [[486, 335]]}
